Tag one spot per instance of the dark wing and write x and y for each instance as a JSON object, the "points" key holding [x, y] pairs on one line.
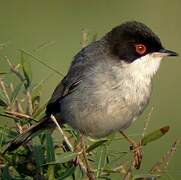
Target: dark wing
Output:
{"points": [[69, 83]]}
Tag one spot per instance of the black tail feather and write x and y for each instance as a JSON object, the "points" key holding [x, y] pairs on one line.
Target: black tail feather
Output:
{"points": [[45, 123]]}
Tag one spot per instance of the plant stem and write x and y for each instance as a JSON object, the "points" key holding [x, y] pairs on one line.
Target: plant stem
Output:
{"points": [[128, 175], [81, 164], [62, 133], [89, 172]]}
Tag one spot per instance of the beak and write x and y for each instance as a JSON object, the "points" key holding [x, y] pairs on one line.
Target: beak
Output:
{"points": [[166, 52]]}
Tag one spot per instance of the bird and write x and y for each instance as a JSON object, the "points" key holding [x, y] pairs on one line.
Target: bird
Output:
{"points": [[108, 84]]}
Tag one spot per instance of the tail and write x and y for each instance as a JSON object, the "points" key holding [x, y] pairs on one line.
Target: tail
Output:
{"points": [[45, 123]]}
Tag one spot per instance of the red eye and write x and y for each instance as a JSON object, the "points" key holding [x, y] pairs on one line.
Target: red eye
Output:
{"points": [[140, 49]]}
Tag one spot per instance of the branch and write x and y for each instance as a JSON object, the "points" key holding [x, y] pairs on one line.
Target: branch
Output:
{"points": [[81, 164]]}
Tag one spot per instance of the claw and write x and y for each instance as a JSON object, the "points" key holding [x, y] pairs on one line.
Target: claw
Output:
{"points": [[137, 155], [136, 149]]}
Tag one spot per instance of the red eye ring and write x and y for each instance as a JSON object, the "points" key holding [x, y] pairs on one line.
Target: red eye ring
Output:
{"points": [[140, 49]]}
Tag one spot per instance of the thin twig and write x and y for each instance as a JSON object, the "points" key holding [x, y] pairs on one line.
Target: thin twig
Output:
{"points": [[18, 107], [128, 175], [146, 122], [29, 103], [131, 142], [13, 69], [10, 116], [4, 45], [81, 164], [121, 169], [5, 91], [94, 38], [62, 133], [42, 62], [137, 150], [11, 87], [19, 115], [89, 172], [43, 45], [84, 38], [161, 165]]}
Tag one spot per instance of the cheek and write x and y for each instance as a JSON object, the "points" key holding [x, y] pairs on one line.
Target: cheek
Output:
{"points": [[147, 63], [155, 58], [144, 67]]}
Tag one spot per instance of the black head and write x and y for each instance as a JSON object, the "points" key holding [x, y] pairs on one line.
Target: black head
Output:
{"points": [[132, 40]]}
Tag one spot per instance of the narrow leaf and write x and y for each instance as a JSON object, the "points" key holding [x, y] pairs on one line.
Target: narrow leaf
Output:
{"points": [[35, 103], [36, 90], [50, 173], [79, 174], [42, 62], [2, 73], [16, 92], [146, 176], [67, 173], [95, 145], [5, 173], [38, 153], [2, 99], [38, 113], [154, 135], [50, 148], [101, 155], [26, 66], [5, 135], [8, 132], [64, 157], [162, 164]]}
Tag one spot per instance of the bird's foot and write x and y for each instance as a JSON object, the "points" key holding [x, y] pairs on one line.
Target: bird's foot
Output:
{"points": [[137, 155], [136, 149]]}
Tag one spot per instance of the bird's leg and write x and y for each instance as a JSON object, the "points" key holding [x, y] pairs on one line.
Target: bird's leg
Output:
{"points": [[136, 149]]}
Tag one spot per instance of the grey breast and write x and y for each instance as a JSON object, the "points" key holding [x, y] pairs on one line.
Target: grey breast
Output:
{"points": [[107, 99]]}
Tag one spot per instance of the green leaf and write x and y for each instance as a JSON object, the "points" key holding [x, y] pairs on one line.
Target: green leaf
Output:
{"points": [[16, 92], [26, 66], [67, 173], [64, 157], [38, 113], [4, 45], [154, 135], [50, 173], [35, 103], [41, 61], [50, 148], [38, 153], [4, 114], [2, 99], [37, 88], [8, 132], [79, 174], [2, 73], [43, 45], [36, 95], [95, 145], [5, 173], [146, 176], [115, 160], [101, 156]]}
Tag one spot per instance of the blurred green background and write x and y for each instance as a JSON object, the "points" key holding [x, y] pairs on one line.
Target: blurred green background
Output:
{"points": [[29, 24]]}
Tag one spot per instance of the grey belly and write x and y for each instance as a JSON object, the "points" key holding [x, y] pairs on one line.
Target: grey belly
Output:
{"points": [[100, 113]]}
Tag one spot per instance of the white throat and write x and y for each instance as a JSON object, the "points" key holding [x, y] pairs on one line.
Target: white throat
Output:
{"points": [[146, 66]]}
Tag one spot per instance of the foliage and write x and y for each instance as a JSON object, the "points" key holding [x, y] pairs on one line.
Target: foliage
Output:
{"points": [[46, 158]]}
